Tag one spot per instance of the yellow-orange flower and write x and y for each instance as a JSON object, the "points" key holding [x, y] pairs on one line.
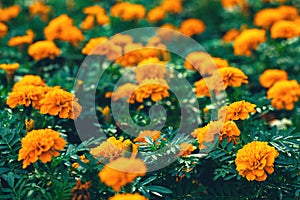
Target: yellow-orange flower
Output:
{"points": [[200, 61], [9, 13], [29, 95], [121, 40], [192, 27], [156, 14], [81, 190], [93, 10], [40, 144], [154, 135], [125, 91], [248, 40], [230, 35], [157, 89], [230, 131], [128, 11], [122, 171], [10, 68], [271, 76], [172, 6], [231, 76], [29, 125], [237, 110], [133, 55], [186, 149], [92, 44], [167, 32], [255, 160], [201, 88], [88, 22], [114, 148], [220, 62], [285, 29], [39, 8], [150, 70], [20, 40], [229, 4], [284, 94], [3, 30], [29, 80], [128, 197], [43, 49], [61, 103]]}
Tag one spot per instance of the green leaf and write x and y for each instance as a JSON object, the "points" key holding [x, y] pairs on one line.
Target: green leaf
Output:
{"points": [[159, 189]]}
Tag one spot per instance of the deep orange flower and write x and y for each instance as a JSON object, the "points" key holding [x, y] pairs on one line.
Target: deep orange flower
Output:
{"points": [[201, 88], [230, 131], [133, 54], [39, 8], [154, 135], [167, 32], [284, 94], [121, 40], [156, 14], [200, 61], [231, 77], [88, 22], [10, 68], [29, 125], [113, 148], [172, 6], [192, 27], [128, 11], [125, 91], [285, 29], [153, 69], [128, 197], [122, 171], [255, 160], [9, 13], [186, 149], [230, 35], [40, 144], [29, 80], [61, 103], [20, 40], [237, 110], [43, 49], [93, 12], [271, 76], [229, 4], [92, 44], [248, 40], [81, 190], [3, 30], [220, 62]]}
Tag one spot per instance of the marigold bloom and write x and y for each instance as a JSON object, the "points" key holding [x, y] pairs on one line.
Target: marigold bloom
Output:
{"points": [[40, 144], [133, 55], [39, 8], [157, 89], [29, 80], [114, 148], [10, 68], [121, 40], [93, 10], [248, 40], [29, 125], [92, 44], [125, 91], [122, 171], [231, 76], [271, 76], [220, 62], [230, 131], [237, 110], [186, 149], [230, 35], [285, 29], [255, 160], [201, 88], [9, 13], [151, 70], [167, 32], [128, 197], [29, 95], [172, 6], [284, 94], [88, 22], [200, 61], [43, 49], [61, 103], [128, 11], [229, 4], [105, 112], [154, 135], [20, 40], [81, 190], [3, 30], [192, 27], [156, 14], [288, 12]]}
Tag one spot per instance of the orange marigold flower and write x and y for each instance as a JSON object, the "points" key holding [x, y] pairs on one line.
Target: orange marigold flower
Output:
{"points": [[271, 76], [3, 30], [266, 17], [285, 29], [153, 69], [125, 91], [121, 40], [114, 148], [157, 89], [122, 171], [20, 40], [186, 149], [102, 19], [10, 68], [230, 35], [192, 27], [230, 131], [167, 32], [39, 8], [284, 94], [40, 144], [133, 55], [9, 13], [81, 190], [93, 10], [72, 35], [288, 12], [29, 95], [29, 80], [237, 110], [61, 103], [88, 22], [200, 61], [248, 40], [128, 11], [92, 44], [128, 197], [43, 49], [172, 6], [231, 76], [154, 135], [220, 62], [201, 88], [156, 14], [29, 125], [255, 160], [229, 4]]}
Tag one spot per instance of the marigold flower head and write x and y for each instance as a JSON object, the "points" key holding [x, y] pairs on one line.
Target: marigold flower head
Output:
{"points": [[154, 135], [61, 103], [172, 6], [288, 12], [167, 32], [157, 89], [285, 29], [10, 68], [192, 27], [3, 29], [93, 10], [266, 17], [201, 88], [133, 55], [220, 62], [92, 44], [156, 14], [128, 197], [237, 110], [201, 62], [29, 95], [230, 35], [122, 171], [29, 80], [284, 94], [81, 190], [121, 39], [151, 70], [231, 76], [128, 11], [229, 4], [40, 144], [255, 160], [186, 149], [9, 13], [230, 131], [102, 19], [43, 49], [29, 125], [125, 91], [271, 76], [20, 40], [248, 40], [39, 8], [88, 22], [114, 148]]}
